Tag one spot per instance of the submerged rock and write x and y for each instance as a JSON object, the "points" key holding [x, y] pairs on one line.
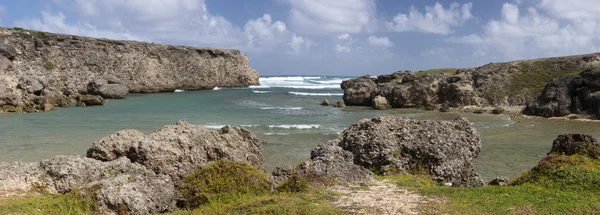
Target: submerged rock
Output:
{"points": [[339, 104]]}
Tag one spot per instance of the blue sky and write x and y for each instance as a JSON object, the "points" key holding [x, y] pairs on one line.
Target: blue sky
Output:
{"points": [[333, 37]]}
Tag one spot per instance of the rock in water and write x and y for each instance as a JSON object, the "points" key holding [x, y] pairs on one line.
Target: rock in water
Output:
{"points": [[92, 100], [447, 150], [107, 90], [380, 103], [498, 110], [339, 104], [325, 102], [177, 150], [358, 91]]}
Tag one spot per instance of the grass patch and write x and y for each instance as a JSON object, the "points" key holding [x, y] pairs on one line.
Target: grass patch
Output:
{"points": [[223, 181], [34, 203], [49, 65], [558, 185], [38, 34], [435, 71], [309, 202], [18, 29]]}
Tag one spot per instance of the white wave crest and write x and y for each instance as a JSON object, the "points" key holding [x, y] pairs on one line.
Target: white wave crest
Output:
{"points": [[311, 126], [217, 88], [260, 92], [315, 94], [214, 126], [179, 91], [281, 134], [281, 108]]}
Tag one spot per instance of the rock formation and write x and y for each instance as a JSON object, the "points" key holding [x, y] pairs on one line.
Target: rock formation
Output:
{"points": [[32, 62], [446, 150], [136, 171], [496, 84], [569, 95]]}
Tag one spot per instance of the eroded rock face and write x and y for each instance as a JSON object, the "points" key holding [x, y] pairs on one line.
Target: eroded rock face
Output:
{"points": [[567, 95], [32, 62], [92, 100], [570, 144], [380, 103], [358, 91], [107, 90], [446, 150], [135, 171], [177, 150]]}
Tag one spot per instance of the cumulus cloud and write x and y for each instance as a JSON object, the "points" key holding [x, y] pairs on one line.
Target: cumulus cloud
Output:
{"points": [[332, 16], [380, 41], [344, 43], [263, 32], [536, 34], [572, 9], [299, 44], [435, 20]]}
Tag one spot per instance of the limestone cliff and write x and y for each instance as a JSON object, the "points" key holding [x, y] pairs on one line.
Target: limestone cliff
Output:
{"points": [[37, 63], [496, 84]]}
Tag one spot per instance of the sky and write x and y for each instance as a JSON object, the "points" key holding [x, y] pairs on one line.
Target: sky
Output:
{"points": [[333, 37]]}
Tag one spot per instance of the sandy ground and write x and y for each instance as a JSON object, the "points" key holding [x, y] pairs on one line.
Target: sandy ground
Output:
{"points": [[381, 197]]}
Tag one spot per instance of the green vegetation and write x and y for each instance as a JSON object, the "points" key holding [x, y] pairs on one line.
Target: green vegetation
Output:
{"points": [[558, 185], [223, 181], [38, 34], [18, 29], [49, 65], [34, 203], [294, 184], [434, 71]]}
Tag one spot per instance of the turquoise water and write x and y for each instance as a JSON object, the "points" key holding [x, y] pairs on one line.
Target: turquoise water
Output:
{"points": [[284, 112]]}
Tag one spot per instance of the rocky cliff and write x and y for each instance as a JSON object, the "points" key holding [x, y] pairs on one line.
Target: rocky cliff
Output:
{"points": [[36, 64], [496, 84]]}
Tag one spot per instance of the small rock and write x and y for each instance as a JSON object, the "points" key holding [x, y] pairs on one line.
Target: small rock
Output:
{"points": [[479, 111], [339, 104], [80, 104], [381, 103], [325, 102], [444, 108], [9, 108], [47, 107], [498, 181], [8, 51], [498, 110], [92, 100]]}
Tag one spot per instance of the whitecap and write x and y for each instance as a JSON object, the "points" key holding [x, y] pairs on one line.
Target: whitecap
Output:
{"points": [[260, 92], [315, 94], [217, 88], [179, 91], [259, 87], [310, 126], [271, 134], [214, 126], [281, 108]]}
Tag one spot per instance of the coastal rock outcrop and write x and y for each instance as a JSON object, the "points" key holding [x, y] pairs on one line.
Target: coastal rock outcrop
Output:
{"points": [[137, 172], [571, 144], [446, 150], [569, 95], [496, 84], [32, 61]]}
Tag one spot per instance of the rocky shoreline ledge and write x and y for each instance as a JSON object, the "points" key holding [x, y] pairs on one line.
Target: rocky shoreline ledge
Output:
{"points": [[40, 70], [546, 87], [142, 174]]}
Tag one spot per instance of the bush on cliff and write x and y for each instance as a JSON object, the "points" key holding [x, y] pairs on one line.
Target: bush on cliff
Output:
{"points": [[223, 181]]}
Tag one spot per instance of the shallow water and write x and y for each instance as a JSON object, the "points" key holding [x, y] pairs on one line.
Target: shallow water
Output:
{"points": [[285, 112]]}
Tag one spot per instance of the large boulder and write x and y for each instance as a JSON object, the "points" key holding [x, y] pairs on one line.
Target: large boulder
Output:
{"points": [[8, 51], [447, 150], [358, 91], [177, 150], [106, 89], [571, 144], [380, 103], [92, 100]]}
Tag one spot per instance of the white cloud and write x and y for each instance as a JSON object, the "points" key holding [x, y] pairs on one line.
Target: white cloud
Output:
{"points": [[437, 52], [572, 9], [299, 44], [332, 16], [344, 43], [535, 34], [436, 19], [380, 41], [262, 32]]}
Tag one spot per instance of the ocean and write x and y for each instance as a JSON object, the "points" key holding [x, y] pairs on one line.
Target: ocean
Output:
{"points": [[284, 111]]}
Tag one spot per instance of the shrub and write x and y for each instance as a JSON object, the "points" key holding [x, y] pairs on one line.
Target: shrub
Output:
{"points": [[294, 184], [575, 172], [18, 28], [38, 34], [223, 181]]}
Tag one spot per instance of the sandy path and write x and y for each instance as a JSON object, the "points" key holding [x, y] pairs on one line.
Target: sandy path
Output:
{"points": [[381, 197]]}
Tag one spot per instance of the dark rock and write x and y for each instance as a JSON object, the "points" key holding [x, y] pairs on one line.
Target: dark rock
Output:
{"points": [[380, 103], [31, 85], [499, 181], [103, 88], [498, 110], [570, 144], [444, 108], [358, 91], [177, 150], [339, 104], [453, 79], [80, 104], [8, 51], [325, 102], [92, 100], [479, 111], [446, 150]]}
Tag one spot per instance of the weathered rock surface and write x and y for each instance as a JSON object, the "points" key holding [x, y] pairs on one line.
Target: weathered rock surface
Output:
{"points": [[91, 100], [135, 171], [380, 103], [107, 90], [570, 144], [31, 62], [177, 150], [339, 104], [569, 95], [499, 181], [446, 150], [496, 84], [325, 102]]}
